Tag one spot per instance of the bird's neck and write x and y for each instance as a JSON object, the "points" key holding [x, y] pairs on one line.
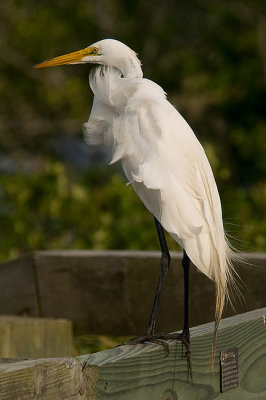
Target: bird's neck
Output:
{"points": [[131, 68]]}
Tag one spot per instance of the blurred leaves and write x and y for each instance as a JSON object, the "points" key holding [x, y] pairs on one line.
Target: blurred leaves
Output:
{"points": [[57, 209], [87, 344], [209, 56]]}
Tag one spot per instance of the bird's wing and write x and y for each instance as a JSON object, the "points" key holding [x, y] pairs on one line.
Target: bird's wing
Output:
{"points": [[169, 170]]}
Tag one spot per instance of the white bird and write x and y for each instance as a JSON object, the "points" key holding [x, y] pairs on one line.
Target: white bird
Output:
{"points": [[163, 161]]}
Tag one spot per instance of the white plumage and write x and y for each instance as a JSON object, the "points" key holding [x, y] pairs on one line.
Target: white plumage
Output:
{"points": [[166, 165], [161, 156]]}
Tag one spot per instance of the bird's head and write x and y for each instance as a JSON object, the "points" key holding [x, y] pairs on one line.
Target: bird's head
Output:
{"points": [[108, 52]]}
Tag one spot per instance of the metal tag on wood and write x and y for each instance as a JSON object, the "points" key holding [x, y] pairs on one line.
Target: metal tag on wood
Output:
{"points": [[229, 369]]}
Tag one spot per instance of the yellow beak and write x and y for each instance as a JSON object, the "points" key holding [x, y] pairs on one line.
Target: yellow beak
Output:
{"points": [[70, 58]]}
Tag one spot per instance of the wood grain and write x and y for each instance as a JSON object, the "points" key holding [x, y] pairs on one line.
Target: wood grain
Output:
{"points": [[143, 372], [43, 379]]}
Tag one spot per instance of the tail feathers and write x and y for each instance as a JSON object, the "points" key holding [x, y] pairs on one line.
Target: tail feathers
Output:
{"points": [[226, 281], [216, 262]]}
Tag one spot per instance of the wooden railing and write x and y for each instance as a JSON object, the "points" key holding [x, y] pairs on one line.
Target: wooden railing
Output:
{"points": [[144, 372], [91, 287]]}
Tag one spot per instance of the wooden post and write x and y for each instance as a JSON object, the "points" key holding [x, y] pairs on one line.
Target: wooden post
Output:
{"points": [[28, 337], [143, 372], [48, 378]]}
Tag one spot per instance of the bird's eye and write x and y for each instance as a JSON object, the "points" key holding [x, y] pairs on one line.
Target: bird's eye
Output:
{"points": [[95, 50]]}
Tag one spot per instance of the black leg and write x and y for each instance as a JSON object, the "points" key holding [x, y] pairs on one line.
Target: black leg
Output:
{"points": [[185, 264], [165, 264], [185, 332], [162, 338]]}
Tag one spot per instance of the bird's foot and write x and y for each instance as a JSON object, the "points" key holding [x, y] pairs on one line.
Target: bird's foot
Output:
{"points": [[186, 335], [161, 339], [158, 338]]}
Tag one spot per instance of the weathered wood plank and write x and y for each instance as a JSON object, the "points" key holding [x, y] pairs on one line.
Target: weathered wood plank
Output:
{"points": [[143, 372], [17, 287], [27, 337], [43, 379], [89, 287], [96, 285]]}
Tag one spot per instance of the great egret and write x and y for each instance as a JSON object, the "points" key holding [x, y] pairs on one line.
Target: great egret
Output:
{"points": [[163, 161]]}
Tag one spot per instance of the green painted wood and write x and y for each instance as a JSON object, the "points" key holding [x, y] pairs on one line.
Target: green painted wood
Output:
{"points": [[143, 372]]}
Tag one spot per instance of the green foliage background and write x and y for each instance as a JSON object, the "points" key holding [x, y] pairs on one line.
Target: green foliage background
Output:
{"points": [[209, 56]]}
